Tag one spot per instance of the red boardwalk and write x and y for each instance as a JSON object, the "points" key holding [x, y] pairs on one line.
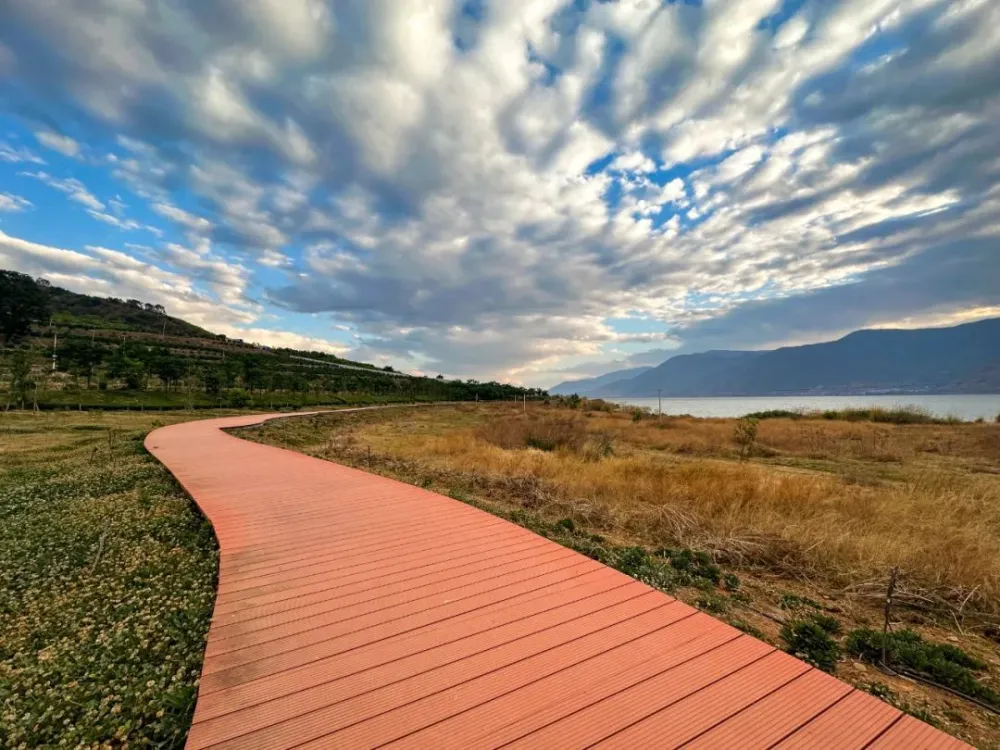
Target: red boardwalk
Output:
{"points": [[356, 611]]}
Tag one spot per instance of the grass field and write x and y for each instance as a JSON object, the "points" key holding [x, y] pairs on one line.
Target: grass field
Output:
{"points": [[805, 529], [107, 581]]}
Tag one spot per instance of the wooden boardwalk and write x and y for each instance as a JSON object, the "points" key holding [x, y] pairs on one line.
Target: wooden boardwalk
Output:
{"points": [[357, 611]]}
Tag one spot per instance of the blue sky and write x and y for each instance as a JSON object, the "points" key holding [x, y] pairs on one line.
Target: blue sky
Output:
{"points": [[531, 191]]}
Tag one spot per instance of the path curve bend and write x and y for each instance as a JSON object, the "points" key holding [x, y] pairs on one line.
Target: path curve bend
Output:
{"points": [[357, 611]]}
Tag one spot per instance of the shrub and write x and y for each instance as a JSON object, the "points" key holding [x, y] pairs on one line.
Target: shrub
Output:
{"points": [[775, 414], [745, 436], [565, 524], [830, 624], [941, 662], [693, 567], [239, 399], [895, 415], [810, 642], [637, 562]]}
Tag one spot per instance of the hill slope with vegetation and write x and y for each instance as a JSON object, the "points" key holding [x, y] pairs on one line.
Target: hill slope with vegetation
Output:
{"points": [[64, 349]]}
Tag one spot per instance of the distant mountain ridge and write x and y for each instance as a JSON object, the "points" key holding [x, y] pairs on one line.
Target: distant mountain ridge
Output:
{"points": [[959, 359], [584, 386]]}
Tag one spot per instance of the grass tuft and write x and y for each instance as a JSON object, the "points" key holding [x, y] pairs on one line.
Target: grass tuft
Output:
{"points": [[809, 641]]}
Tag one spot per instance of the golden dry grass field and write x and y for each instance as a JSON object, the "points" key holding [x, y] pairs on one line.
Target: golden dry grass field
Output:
{"points": [[809, 524]]}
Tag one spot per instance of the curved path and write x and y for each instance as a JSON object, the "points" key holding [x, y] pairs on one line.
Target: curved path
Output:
{"points": [[357, 611]]}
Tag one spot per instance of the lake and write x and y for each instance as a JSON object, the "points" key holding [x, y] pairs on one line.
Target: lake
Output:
{"points": [[964, 406]]}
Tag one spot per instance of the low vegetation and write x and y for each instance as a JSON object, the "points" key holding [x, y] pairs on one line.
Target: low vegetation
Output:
{"points": [[107, 579], [944, 663], [788, 536], [878, 414]]}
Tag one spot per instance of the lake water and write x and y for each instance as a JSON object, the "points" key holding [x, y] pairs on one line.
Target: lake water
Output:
{"points": [[964, 407]]}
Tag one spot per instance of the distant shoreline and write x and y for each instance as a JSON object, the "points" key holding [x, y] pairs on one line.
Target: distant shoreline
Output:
{"points": [[964, 406]]}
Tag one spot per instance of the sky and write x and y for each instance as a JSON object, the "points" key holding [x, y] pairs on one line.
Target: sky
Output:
{"points": [[526, 190]]}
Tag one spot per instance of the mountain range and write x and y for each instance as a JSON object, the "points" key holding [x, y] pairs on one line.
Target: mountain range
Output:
{"points": [[959, 359], [586, 385]]}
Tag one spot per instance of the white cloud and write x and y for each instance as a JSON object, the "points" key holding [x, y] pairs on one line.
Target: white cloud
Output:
{"points": [[13, 203], [182, 217], [633, 161], [72, 187], [285, 339], [18, 154], [58, 142]]}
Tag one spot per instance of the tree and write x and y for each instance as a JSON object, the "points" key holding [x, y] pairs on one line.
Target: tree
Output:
{"points": [[80, 357], [252, 372], [124, 367], [213, 380], [168, 367], [20, 378], [22, 302]]}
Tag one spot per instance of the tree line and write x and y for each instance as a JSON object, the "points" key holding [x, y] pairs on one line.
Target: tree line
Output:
{"points": [[235, 378]]}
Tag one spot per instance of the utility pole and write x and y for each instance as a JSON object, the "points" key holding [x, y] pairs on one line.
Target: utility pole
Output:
{"points": [[524, 403], [55, 343], [659, 401]]}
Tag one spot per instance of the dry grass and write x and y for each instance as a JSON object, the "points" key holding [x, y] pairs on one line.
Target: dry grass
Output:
{"points": [[841, 502]]}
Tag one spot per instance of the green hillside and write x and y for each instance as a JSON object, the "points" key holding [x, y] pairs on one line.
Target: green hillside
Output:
{"points": [[113, 353]]}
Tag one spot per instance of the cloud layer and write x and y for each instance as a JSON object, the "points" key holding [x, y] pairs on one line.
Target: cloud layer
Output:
{"points": [[517, 188]]}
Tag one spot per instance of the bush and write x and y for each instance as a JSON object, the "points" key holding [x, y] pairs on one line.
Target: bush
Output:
{"points": [[745, 436], [565, 524], [941, 662], [810, 642], [775, 414], [239, 399], [895, 415], [637, 562], [692, 567], [830, 624]]}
